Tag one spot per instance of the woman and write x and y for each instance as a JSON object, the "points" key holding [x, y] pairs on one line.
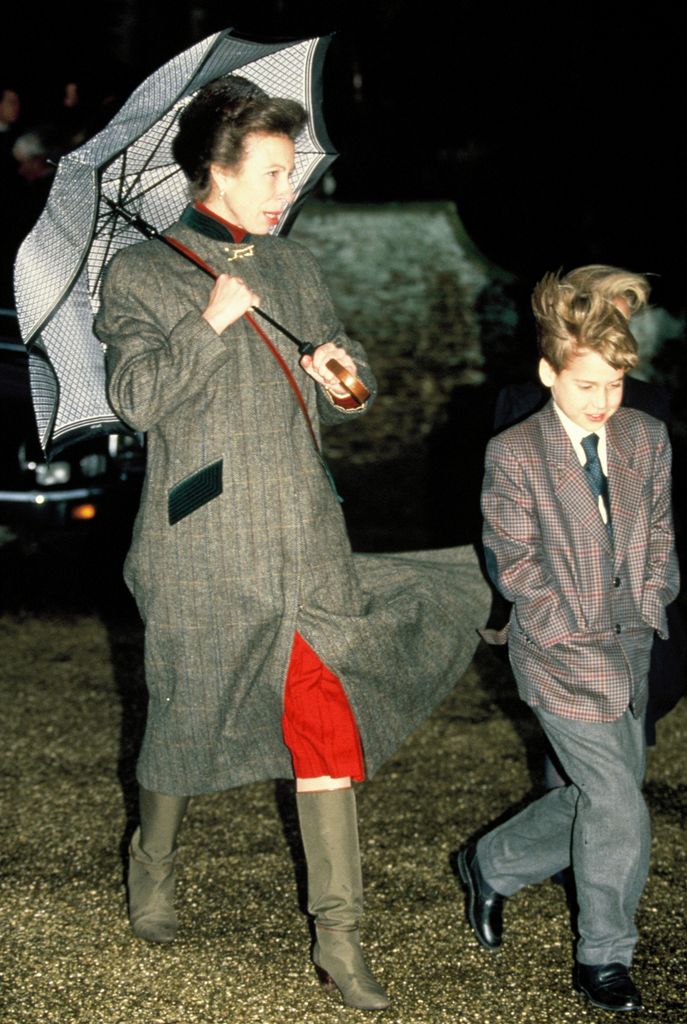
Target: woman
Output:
{"points": [[268, 653]]}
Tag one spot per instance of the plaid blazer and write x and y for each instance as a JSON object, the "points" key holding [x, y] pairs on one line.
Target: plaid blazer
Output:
{"points": [[585, 607]]}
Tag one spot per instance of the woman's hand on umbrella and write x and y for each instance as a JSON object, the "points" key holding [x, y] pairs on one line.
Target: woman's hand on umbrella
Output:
{"points": [[229, 299], [316, 366]]}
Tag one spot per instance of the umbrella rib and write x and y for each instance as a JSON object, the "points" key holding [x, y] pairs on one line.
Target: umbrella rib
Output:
{"points": [[125, 197], [152, 187], [110, 217], [122, 176]]}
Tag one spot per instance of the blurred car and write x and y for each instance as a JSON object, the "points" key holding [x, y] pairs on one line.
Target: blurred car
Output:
{"points": [[87, 486]]}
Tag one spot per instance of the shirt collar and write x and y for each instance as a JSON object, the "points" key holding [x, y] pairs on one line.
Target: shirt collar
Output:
{"points": [[576, 433]]}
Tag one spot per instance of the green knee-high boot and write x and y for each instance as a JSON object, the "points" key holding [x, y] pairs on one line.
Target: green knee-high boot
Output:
{"points": [[151, 866], [329, 830]]}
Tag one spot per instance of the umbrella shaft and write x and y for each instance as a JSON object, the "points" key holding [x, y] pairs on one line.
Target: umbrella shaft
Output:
{"points": [[305, 348]]}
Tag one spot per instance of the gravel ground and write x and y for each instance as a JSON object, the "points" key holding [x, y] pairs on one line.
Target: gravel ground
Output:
{"points": [[72, 690]]}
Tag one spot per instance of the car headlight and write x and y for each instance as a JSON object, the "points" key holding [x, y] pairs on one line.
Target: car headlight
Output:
{"points": [[55, 473]]}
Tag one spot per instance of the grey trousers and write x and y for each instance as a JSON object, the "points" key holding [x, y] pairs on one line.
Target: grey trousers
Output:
{"points": [[599, 825]]}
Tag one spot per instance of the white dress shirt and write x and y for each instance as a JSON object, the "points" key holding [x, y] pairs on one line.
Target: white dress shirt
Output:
{"points": [[576, 433]]}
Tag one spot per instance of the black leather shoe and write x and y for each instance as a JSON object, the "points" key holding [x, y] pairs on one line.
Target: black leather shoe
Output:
{"points": [[485, 905], [608, 986]]}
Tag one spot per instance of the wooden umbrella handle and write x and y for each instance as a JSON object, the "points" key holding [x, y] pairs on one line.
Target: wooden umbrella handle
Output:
{"points": [[353, 385]]}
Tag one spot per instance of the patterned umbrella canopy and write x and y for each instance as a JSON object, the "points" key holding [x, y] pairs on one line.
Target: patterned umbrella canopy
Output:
{"points": [[60, 264]]}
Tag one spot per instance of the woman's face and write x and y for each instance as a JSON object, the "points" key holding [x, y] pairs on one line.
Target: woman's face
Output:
{"points": [[256, 192]]}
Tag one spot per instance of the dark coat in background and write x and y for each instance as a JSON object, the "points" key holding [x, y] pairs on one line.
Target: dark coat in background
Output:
{"points": [[222, 590]]}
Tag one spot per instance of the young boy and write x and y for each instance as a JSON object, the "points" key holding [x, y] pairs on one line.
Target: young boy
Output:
{"points": [[578, 535]]}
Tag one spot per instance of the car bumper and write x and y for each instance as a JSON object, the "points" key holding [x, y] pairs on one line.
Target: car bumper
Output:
{"points": [[77, 507]]}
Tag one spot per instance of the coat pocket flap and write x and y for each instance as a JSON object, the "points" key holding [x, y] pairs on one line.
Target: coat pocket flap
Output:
{"points": [[195, 490]]}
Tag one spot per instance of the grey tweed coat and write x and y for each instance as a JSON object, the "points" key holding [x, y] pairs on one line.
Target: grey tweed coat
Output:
{"points": [[252, 546]]}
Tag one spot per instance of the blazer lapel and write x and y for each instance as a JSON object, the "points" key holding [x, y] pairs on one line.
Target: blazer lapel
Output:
{"points": [[569, 482], [624, 482]]}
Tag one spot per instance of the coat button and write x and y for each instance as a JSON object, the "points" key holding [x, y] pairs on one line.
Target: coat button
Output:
{"points": [[618, 628], [616, 581]]}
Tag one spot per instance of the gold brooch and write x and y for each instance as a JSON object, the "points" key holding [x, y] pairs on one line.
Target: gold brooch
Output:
{"points": [[239, 254]]}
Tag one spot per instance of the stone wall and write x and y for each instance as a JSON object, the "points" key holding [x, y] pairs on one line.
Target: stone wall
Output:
{"points": [[405, 280]]}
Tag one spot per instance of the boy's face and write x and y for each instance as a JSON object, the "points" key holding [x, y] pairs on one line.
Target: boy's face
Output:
{"points": [[588, 390]]}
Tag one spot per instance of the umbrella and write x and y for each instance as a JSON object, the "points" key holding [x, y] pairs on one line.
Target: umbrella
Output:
{"points": [[60, 264]]}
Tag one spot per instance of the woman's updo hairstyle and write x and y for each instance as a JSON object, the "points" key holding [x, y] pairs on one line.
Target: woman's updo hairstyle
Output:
{"points": [[214, 126]]}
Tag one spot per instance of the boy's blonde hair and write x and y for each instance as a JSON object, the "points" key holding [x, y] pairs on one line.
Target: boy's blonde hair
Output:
{"points": [[585, 310]]}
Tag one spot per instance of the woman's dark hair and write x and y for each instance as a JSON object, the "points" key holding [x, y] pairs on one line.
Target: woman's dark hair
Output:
{"points": [[214, 126]]}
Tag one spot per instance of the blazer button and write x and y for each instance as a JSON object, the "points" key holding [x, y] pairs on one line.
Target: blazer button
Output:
{"points": [[616, 582], [618, 628]]}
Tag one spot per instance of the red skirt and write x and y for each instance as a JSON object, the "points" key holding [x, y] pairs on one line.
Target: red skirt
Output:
{"points": [[318, 725]]}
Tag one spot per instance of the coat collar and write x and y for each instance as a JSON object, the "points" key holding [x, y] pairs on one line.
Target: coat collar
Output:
{"points": [[558, 446], [570, 485], [199, 218], [572, 489], [216, 247], [620, 438], [625, 482]]}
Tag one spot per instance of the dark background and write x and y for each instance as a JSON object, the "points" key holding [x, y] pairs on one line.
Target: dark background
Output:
{"points": [[557, 129]]}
